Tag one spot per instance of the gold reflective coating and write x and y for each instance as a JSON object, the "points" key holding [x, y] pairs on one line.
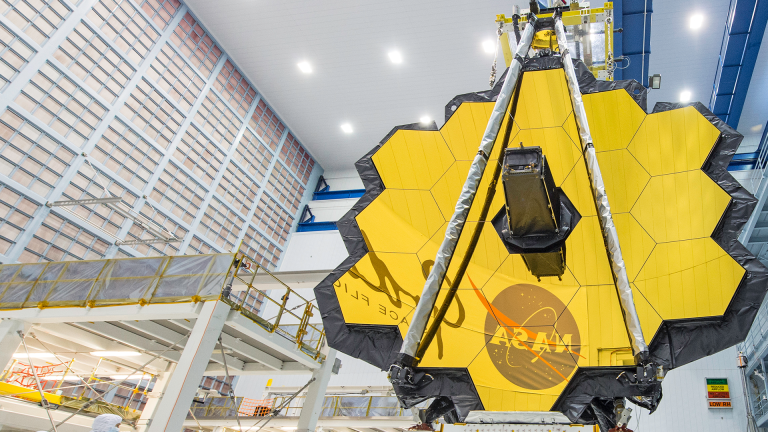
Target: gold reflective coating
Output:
{"points": [[522, 339]]}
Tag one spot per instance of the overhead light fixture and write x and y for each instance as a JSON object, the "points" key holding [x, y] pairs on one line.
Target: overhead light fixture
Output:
{"points": [[395, 57], [756, 128], [347, 128], [33, 355], [425, 120], [305, 67], [655, 81], [696, 21], [288, 428], [685, 96], [115, 353], [489, 46]]}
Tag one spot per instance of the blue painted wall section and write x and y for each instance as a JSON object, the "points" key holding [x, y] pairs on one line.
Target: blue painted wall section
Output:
{"points": [[340, 194], [634, 16], [749, 161], [618, 38], [743, 34]]}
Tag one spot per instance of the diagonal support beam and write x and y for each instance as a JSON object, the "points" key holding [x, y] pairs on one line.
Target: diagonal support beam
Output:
{"points": [[413, 338], [603, 207]]}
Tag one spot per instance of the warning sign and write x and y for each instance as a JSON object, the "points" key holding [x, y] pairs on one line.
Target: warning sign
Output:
{"points": [[718, 394]]}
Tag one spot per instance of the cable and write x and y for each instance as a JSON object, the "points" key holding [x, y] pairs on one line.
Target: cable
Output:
{"points": [[101, 396], [230, 392], [66, 364], [645, 23], [620, 59], [639, 413], [277, 410], [198, 421], [43, 400]]}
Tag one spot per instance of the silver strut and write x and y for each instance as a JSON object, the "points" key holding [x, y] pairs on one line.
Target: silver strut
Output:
{"points": [[456, 224], [610, 236]]}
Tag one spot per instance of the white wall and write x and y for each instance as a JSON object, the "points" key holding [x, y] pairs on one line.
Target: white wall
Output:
{"points": [[343, 180], [331, 210], [684, 403], [319, 250]]}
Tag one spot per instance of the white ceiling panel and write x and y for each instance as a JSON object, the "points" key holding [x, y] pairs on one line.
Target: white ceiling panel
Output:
{"points": [[353, 81]]}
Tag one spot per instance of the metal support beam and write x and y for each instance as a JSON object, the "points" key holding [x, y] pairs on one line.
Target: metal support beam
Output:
{"points": [[313, 402], [173, 406], [267, 360], [254, 368], [131, 339], [153, 398], [112, 313], [429, 294], [743, 35], [274, 341], [69, 203]]}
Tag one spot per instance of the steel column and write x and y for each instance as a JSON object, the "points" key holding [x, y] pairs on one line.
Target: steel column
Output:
{"points": [[313, 402], [172, 408]]}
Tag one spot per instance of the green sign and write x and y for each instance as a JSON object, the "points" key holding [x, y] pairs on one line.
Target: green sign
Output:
{"points": [[717, 381]]}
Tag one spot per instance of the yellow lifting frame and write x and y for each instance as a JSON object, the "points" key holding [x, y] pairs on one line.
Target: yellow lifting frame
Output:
{"points": [[546, 38]]}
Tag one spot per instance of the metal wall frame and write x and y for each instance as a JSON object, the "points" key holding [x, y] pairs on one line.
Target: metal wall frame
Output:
{"points": [[45, 53]]}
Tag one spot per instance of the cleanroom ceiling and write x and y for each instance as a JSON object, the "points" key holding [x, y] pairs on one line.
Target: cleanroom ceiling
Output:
{"points": [[353, 81]]}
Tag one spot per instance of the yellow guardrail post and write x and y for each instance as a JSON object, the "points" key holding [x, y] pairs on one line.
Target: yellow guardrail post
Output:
{"points": [[302, 330], [368, 409], [8, 371], [282, 309], [61, 381]]}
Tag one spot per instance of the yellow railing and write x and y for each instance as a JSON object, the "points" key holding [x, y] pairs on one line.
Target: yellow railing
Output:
{"points": [[114, 282], [165, 279], [333, 406], [289, 316]]}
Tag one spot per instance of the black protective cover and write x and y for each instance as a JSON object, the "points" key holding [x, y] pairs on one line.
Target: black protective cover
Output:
{"points": [[678, 342]]}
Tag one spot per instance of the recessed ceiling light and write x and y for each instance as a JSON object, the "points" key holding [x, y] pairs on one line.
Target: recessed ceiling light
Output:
{"points": [[395, 57], [115, 353], [346, 127], [696, 21], [756, 128], [33, 355], [425, 119], [305, 67], [489, 46], [685, 96]]}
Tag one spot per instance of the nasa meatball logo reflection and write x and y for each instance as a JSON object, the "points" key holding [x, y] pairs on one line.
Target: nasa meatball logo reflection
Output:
{"points": [[535, 342]]}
